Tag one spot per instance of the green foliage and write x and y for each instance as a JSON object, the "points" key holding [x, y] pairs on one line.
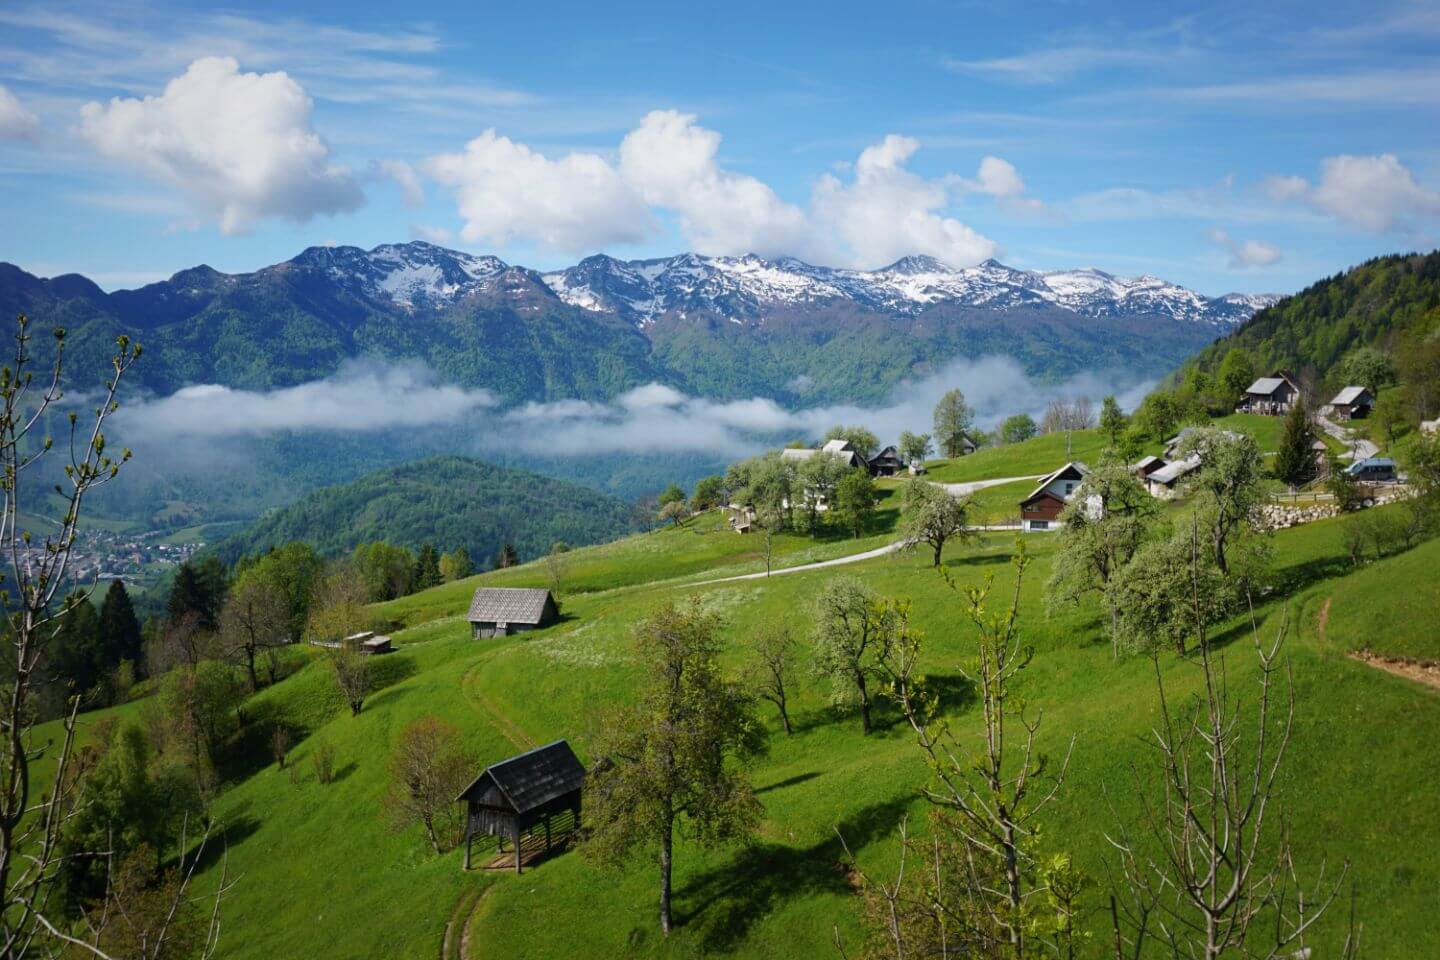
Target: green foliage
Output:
{"points": [[1236, 373], [929, 514], [1107, 521], [119, 627], [1295, 460], [1158, 417], [1389, 305], [954, 418], [449, 501], [709, 493], [851, 632], [198, 592], [427, 569], [674, 758], [1228, 485], [1112, 420], [671, 494], [861, 439], [915, 447], [385, 570], [1367, 367], [1170, 593], [1017, 428], [855, 500], [456, 565]]}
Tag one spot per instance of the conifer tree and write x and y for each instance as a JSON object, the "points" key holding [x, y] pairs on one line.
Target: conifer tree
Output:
{"points": [[119, 627], [1295, 461]]}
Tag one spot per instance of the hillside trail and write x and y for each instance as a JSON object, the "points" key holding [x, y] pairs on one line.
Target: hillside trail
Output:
{"points": [[1425, 672], [509, 729], [954, 489], [1360, 448]]}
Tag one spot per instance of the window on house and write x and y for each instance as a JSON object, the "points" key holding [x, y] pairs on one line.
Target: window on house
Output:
{"points": [[1039, 524]]}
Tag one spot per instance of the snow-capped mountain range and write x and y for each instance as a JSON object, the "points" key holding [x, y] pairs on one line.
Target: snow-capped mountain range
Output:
{"points": [[746, 289]]}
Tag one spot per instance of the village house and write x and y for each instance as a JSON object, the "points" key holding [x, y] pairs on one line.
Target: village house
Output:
{"points": [[1352, 403], [1164, 484], [1271, 396], [1147, 465], [1430, 427], [886, 463], [1041, 510], [502, 611], [511, 797], [834, 448]]}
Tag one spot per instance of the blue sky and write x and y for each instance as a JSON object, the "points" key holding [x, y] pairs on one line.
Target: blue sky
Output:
{"points": [[1251, 147]]}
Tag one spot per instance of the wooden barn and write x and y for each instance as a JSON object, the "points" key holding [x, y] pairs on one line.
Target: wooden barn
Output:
{"points": [[886, 463], [1041, 510], [513, 796], [1270, 395], [1352, 403], [501, 611]]}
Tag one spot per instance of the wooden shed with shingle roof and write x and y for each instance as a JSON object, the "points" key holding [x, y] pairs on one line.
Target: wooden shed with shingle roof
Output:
{"points": [[501, 611], [512, 796]]}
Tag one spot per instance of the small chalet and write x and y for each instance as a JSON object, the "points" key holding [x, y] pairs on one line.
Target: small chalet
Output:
{"points": [[512, 796], [833, 448], [1041, 510], [1352, 403], [1145, 466], [886, 463], [1270, 395], [501, 611], [1164, 483], [967, 446]]}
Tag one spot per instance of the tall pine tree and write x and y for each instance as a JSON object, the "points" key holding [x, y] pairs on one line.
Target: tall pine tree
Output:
{"points": [[427, 568], [119, 627], [1295, 460]]}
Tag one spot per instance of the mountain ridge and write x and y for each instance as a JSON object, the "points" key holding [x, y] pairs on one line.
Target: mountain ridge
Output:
{"points": [[718, 327]]}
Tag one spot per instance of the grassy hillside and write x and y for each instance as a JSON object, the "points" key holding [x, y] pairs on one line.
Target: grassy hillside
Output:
{"points": [[448, 501], [321, 873]]}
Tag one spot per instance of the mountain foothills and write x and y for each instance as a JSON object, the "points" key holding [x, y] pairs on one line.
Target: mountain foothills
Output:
{"points": [[722, 327], [449, 502]]}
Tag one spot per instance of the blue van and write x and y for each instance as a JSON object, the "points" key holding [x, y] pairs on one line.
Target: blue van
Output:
{"points": [[1373, 470]]}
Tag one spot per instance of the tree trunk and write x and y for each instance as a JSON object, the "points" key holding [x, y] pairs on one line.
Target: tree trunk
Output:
{"points": [[939, 545], [785, 719], [250, 667], [665, 841], [864, 703]]}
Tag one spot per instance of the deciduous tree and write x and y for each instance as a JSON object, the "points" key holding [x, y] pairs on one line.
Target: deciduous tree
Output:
{"points": [[773, 672], [456, 565], [255, 621], [915, 447], [849, 634], [855, 500], [1018, 428], [674, 761], [429, 766], [1112, 420], [1105, 523], [1229, 484], [954, 418], [929, 514]]}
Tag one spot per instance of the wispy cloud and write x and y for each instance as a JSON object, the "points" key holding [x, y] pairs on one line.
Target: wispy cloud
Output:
{"points": [[650, 419]]}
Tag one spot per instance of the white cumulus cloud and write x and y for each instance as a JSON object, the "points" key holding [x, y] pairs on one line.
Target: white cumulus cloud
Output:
{"points": [[672, 162], [886, 212], [1376, 193], [16, 123], [239, 146], [507, 192], [1247, 253]]}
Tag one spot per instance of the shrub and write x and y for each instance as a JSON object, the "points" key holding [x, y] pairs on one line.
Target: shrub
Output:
{"points": [[324, 760]]}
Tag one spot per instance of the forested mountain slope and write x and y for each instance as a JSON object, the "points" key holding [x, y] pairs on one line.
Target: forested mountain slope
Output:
{"points": [[447, 501], [1386, 303]]}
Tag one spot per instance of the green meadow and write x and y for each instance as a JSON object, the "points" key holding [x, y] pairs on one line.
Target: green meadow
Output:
{"points": [[319, 871]]}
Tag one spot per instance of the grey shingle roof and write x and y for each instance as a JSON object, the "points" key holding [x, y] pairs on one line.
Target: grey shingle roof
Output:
{"points": [[1265, 386], [508, 605], [534, 778], [1347, 396]]}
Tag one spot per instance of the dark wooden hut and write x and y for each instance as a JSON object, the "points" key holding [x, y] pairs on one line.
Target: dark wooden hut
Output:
{"points": [[887, 463], [512, 796]]}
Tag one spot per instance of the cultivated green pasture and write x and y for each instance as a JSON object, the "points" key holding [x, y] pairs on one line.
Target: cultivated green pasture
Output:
{"points": [[319, 871]]}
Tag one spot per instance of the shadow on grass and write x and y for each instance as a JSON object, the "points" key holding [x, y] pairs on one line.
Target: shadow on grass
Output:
{"points": [[726, 902], [789, 782], [235, 830], [952, 692]]}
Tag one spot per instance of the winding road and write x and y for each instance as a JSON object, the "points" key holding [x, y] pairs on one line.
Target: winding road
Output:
{"points": [[1360, 448], [954, 489]]}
